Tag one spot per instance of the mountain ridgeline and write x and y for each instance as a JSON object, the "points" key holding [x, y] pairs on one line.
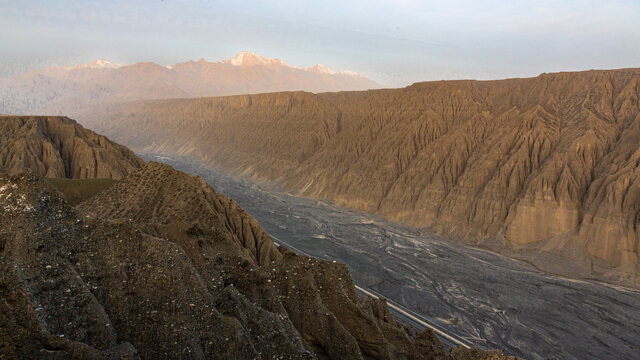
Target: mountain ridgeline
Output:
{"points": [[64, 90], [548, 165]]}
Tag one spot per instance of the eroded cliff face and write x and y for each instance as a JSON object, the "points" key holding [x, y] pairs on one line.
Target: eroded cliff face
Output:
{"points": [[58, 147], [74, 286], [549, 163]]}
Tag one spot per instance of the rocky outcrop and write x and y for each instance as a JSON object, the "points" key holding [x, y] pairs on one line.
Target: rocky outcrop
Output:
{"points": [[547, 163], [76, 286], [58, 147], [158, 194]]}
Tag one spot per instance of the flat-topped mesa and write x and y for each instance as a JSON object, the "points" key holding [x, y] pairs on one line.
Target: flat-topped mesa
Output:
{"points": [[59, 147], [549, 163]]}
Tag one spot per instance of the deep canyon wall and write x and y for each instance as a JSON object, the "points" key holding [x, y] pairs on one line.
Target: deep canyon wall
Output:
{"points": [[549, 163]]}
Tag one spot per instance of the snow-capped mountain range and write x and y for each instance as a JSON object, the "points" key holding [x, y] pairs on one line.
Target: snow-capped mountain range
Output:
{"points": [[65, 90], [97, 64]]}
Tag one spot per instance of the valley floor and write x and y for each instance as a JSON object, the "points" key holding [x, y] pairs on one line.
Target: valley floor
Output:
{"points": [[487, 299]]}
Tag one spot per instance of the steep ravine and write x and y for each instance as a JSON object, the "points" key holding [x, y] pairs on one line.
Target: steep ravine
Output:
{"points": [[546, 164]]}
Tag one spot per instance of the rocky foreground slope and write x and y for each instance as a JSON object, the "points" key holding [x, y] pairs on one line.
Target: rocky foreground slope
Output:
{"points": [[549, 164], [58, 147], [76, 286], [160, 266]]}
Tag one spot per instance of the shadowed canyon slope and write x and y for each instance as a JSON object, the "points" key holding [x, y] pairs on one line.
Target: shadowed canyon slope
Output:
{"points": [[66, 89], [547, 163], [60, 148], [160, 266]]}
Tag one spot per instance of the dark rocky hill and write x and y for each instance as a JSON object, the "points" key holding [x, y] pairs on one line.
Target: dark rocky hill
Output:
{"points": [[546, 165]]}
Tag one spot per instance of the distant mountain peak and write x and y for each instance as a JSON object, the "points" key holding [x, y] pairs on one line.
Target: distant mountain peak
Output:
{"points": [[96, 64], [247, 58], [321, 69], [348, 72], [65, 89], [102, 64]]}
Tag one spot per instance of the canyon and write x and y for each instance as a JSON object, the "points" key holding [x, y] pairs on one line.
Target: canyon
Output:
{"points": [[484, 298], [158, 265], [544, 168]]}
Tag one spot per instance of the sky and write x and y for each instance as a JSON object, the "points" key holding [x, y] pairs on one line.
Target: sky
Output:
{"points": [[393, 42]]}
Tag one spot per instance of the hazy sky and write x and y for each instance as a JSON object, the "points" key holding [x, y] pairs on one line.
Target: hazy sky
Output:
{"points": [[393, 42]]}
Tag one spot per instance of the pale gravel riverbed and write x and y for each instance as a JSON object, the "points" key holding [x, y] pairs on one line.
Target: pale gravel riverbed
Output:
{"points": [[485, 298]]}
